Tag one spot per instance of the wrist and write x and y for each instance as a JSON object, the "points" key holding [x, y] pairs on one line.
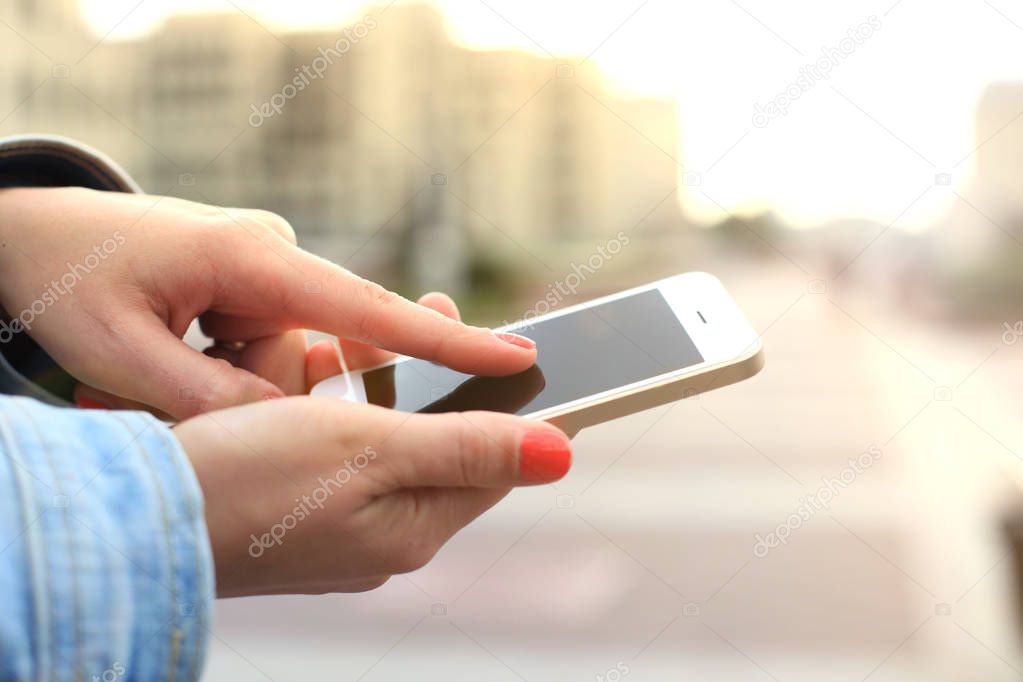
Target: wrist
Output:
{"points": [[211, 461]]}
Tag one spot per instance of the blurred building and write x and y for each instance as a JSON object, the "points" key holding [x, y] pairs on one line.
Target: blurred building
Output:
{"points": [[975, 247], [1000, 156], [404, 143], [991, 204]]}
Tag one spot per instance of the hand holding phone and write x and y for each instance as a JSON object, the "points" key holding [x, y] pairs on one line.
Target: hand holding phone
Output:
{"points": [[341, 496]]}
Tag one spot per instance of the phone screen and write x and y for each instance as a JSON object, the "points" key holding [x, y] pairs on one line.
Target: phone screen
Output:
{"points": [[578, 355]]}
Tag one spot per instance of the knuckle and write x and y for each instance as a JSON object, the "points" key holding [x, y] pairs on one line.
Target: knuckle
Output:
{"points": [[229, 227], [377, 295], [473, 458], [217, 391], [219, 233], [376, 302], [415, 555], [276, 223]]}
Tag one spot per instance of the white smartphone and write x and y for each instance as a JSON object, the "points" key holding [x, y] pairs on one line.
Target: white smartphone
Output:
{"points": [[596, 361]]}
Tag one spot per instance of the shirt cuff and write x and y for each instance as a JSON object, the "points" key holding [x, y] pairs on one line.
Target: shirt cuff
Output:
{"points": [[107, 571]]}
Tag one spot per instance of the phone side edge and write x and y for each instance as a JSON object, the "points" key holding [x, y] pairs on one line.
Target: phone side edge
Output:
{"points": [[614, 407]]}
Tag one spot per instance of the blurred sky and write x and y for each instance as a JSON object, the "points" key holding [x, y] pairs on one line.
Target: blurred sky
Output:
{"points": [[865, 143]]}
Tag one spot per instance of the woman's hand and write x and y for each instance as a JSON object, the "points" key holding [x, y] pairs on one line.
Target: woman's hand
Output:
{"points": [[107, 284], [318, 495]]}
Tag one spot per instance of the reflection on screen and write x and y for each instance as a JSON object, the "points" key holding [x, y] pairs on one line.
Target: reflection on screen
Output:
{"points": [[578, 355]]}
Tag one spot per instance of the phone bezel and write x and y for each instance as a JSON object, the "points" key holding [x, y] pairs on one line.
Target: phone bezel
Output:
{"points": [[723, 337]]}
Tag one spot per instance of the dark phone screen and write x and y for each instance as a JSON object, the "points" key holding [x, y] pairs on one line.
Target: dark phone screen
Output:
{"points": [[579, 354]]}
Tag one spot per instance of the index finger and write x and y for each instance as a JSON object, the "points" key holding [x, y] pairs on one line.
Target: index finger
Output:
{"points": [[331, 299]]}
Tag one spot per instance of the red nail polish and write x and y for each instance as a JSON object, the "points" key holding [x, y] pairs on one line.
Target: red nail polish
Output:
{"points": [[516, 340], [87, 404], [544, 456]]}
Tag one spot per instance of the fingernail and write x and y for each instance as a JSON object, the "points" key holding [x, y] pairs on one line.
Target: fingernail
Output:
{"points": [[544, 456], [270, 396], [87, 404], [516, 340]]}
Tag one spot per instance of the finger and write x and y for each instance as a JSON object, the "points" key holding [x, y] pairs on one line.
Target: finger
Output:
{"points": [[276, 223], [315, 294], [280, 359], [321, 362], [90, 398], [474, 449], [357, 355], [442, 303], [360, 355], [233, 329], [159, 369], [221, 353]]}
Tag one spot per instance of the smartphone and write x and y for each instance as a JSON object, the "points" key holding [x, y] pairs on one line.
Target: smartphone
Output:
{"points": [[596, 361]]}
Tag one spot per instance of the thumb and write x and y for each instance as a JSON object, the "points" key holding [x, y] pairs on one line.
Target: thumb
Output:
{"points": [[162, 371], [475, 449]]}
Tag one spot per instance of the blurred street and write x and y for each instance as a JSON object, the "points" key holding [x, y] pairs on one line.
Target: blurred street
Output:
{"points": [[643, 557]]}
